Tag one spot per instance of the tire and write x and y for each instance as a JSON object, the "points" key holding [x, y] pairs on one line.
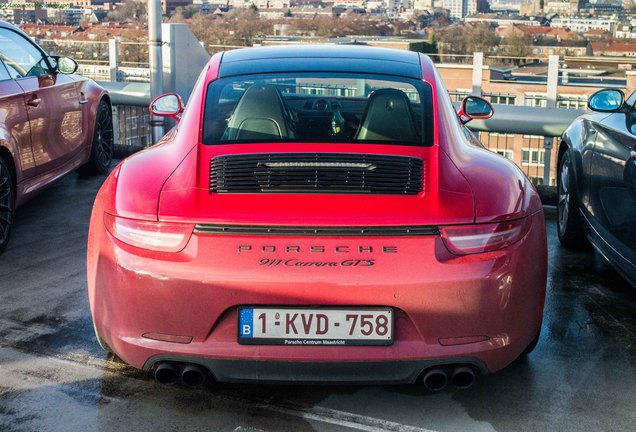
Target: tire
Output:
{"points": [[7, 203], [569, 223], [103, 145]]}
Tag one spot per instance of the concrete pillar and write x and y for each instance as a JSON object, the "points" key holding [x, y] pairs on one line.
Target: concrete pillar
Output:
{"points": [[180, 48], [631, 81], [113, 58], [552, 97], [553, 80], [478, 67]]}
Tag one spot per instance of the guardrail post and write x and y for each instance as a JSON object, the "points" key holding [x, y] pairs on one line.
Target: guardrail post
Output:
{"points": [[113, 57], [115, 111], [156, 63], [552, 96], [478, 70]]}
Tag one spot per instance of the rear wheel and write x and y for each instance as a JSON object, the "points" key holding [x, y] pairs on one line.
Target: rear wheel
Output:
{"points": [[7, 203], [569, 224], [103, 143]]}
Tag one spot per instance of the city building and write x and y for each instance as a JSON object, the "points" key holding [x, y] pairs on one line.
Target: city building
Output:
{"points": [[460, 8], [582, 25], [614, 48]]}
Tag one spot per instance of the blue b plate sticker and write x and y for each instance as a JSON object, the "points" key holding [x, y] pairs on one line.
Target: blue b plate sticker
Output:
{"points": [[246, 323]]}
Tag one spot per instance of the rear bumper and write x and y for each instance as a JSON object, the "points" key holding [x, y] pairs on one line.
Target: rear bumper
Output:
{"points": [[435, 295], [278, 372]]}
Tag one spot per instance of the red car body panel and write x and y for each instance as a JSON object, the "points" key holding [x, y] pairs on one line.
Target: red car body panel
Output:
{"points": [[495, 297]]}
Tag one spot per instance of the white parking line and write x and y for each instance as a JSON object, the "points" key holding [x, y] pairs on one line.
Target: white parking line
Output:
{"points": [[14, 362], [344, 419]]}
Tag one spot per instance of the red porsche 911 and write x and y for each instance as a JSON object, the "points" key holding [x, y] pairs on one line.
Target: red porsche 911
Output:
{"points": [[318, 215]]}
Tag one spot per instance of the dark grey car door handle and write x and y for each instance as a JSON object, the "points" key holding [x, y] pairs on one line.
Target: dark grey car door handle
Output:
{"points": [[34, 102]]}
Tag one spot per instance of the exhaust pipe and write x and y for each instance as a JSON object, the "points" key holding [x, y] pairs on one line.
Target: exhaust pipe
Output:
{"points": [[463, 377], [166, 373], [193, 375], [435, 379]]}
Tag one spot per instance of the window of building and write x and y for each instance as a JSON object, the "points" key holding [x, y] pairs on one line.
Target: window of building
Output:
{"points": [[459, 94], [499, 134], [536, 100], [532, 157], [500, 98], [508, 154], [572, 101]]}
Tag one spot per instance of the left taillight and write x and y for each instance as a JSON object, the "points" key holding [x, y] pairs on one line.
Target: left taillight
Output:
{"points": [[478, 238], [156, 236]]}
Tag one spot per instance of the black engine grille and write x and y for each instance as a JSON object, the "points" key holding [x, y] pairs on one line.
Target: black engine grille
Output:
{"points": [[332, 173]]}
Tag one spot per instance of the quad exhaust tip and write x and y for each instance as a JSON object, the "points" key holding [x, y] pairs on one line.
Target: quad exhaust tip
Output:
{"points": [[193, 375], [463, 377], [167, 373], [189, 374], [437, 378]]}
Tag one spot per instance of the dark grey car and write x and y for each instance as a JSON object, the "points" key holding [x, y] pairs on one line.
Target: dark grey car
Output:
{"points": [[596, 181]]}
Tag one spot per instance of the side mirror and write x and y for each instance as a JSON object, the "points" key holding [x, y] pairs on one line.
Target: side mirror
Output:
{"points": [[475, 108], [167, 105], [64, 65], [606, 101]]}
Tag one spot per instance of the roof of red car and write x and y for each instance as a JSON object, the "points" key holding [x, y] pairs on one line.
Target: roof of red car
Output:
{"points": [[321, 58]]}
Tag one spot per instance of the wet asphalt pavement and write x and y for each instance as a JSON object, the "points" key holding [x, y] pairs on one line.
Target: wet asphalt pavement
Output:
{"points": [[54, 376]]}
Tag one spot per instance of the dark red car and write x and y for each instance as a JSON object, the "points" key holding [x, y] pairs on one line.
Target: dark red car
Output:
{"points": [[318, 215], [51, 122]]}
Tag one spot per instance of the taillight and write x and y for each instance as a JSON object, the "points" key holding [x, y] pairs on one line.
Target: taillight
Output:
{"points": [[157, 236], [477, 238]]}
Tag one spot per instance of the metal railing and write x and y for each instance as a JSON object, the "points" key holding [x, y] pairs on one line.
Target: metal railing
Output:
{"points": [[504, 133]]}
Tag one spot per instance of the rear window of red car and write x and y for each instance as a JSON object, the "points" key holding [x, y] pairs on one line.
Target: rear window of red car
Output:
{"points": [[318, 107]]}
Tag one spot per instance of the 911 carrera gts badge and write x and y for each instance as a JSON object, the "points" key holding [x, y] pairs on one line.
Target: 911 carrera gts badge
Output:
{"points": [[270, 262]]}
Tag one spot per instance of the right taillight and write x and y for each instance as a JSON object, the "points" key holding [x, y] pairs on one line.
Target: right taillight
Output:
{"points": [[478, 238]]}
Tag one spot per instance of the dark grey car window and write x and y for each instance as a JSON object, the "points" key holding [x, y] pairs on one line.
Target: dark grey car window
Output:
{"points": [[20, 56]]}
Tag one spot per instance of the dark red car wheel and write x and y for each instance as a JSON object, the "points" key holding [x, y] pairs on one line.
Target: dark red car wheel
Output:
{"points": [[7, 203], [103, 143]]}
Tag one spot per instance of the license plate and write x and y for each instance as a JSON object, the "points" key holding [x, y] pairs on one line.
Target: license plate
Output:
{"points": [[315, 326]]}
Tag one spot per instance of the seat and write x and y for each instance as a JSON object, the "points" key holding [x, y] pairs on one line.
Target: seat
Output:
{"points": [[388, 117], [259, 115]]}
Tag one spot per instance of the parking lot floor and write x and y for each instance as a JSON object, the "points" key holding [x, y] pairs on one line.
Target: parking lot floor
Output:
{"points": [[54, 376]]}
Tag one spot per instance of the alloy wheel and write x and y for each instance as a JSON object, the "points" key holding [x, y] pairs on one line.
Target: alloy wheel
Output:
{"points": [[104, 135], [6, 204], [564, 194]]}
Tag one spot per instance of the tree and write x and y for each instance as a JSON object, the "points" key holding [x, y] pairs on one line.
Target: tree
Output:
{"points": [[517, 45], [460, 39], [451, 40], [181, 13], [481, 38], [130, 10]]}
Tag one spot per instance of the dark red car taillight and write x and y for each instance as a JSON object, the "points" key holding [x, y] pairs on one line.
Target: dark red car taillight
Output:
{"points": [[157, 236], [478, 238]]}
